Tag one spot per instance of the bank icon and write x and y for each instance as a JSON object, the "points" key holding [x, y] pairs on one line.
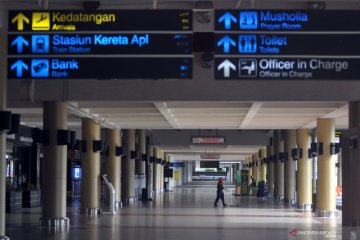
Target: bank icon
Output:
{"points": [[247, 68], [247, 44], [40, 68], [40, 21], [40, 43], [248, 20]]}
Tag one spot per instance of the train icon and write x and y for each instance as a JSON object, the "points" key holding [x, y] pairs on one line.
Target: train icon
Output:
{"points": [[40, 43]]}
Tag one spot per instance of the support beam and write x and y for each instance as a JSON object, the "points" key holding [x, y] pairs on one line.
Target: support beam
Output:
{"points": [[255, 107], [162, 107], [342, 111]]}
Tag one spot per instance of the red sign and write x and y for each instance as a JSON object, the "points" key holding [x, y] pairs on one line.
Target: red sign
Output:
{"points": [[208, 140]]}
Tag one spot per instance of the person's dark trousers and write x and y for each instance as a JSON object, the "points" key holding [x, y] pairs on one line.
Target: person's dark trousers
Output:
{"points": [[219, 195]]}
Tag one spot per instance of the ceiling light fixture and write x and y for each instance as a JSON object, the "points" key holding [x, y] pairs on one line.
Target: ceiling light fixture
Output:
{"points": [[316, 5], [238, 4]]}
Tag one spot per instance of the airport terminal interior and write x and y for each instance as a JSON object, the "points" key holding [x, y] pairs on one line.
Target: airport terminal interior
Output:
{"points": [[179, 119]]}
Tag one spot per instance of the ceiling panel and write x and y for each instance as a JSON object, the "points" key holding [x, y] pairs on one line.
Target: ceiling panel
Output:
{"points": [[198, 115]]}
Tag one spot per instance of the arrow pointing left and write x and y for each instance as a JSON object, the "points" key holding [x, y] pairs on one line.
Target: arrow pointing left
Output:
{"points": [[19, 42], [19, 65], [20, 19]]}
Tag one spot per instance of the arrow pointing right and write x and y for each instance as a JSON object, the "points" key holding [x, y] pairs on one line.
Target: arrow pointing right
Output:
{"points": [[20, 19], [19, 42], [19, 65], [226, 65]]}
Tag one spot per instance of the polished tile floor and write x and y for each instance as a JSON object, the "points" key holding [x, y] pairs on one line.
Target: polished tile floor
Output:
{"points": [[187, 213]]}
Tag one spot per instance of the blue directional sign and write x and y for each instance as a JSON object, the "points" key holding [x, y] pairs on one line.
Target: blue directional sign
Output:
{"points": [[287, 20], [308, 52], [226, 41], [106, 68], [248, 20], [247, 44], [101, 43], [40, 68], [226, 19], [40, 43], [19, 42], [288, 44], [19, 66]]}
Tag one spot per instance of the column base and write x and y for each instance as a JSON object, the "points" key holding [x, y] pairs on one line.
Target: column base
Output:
{"points": [[278, 198], [131, 199], [90, 211], [305, 207], [118, 204], [61, 222], [4, 238], [288, 201], [326, 214]]}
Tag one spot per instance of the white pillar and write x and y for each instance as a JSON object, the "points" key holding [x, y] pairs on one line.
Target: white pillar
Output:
{"points": [[55, 167], [3, 95], [326, 202], [130, 166], [289, 168], [304, 173], [90, 163], [114, 162]]}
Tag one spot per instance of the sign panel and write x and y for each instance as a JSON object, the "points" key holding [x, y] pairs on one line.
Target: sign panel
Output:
{"points": [[100, 68], [177, 175], [210, 155], [287, 44], [311, 68], [100, 20], [208, 140], [101, 44], [109, 44], [302, 45], [287, 20], [245, 182]]}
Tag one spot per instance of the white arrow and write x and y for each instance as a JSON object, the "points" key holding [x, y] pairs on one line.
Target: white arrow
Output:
{"points": [[226, 65]]}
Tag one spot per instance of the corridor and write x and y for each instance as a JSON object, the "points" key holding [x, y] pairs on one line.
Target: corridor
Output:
{"points": [[187, 213]]}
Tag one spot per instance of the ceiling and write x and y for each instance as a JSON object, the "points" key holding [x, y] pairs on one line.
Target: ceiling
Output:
{"points": [[197, 115], [217, 4]]}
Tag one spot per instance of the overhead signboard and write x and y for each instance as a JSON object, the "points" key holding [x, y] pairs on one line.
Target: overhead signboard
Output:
{"points": [[109, 44], [208, 140], [287, 20], [100, 68], [100, 20], [102, 44], [311, 68], [210, 155], [287, 44]]}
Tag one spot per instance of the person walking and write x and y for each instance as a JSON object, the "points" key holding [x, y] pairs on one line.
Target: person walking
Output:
{"points": [[220, 193]]}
